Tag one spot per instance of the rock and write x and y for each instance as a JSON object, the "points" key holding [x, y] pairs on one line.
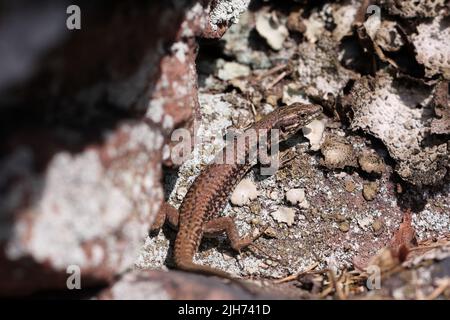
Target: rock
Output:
{"points": [[314, 133], [414, 9], [293, 93], [371, 162], [377, 226], [365, 222], [175, 285], [315, 27], [244, 192], [432, 43], [271, 232], [317, 72], [398, 112], [441, 106], [337, 152], [349, 185], [232, 70], [284, 215], [272, 30], [370, 191], [344, 226], [274, 195], [297, 197], [91, 210], [227, 12], [343, 17], [81, 185]]}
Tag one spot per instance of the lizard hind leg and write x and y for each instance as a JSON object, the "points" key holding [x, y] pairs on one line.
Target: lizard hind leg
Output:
{"points": [[220, 225], [166, 212]]}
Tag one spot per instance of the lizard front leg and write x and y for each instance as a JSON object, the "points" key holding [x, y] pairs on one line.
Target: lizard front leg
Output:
{"points": [[220, 225]]}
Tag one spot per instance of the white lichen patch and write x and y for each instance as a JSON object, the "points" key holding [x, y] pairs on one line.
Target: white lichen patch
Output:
{"points": [[432, 43], [155, 110], [297, 197], [81, 212], [227, 11], [77, 205], [180, 49], [318, 73]]}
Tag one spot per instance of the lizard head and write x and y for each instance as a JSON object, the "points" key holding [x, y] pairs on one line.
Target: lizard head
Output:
{"points": [[292, 118]]}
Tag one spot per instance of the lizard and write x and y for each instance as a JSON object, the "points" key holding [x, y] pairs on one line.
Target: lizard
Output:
{"points": [[198, 215]]}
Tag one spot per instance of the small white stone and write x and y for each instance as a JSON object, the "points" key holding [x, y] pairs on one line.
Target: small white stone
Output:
{"points": [[233, 70], [244, 192], [295, 196], [304, 204], [365, 222], [284, 214], [314, 133], [274, 195]]}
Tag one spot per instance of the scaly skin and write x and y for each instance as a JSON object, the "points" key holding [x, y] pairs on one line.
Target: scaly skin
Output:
{"points": [[208, 195]]}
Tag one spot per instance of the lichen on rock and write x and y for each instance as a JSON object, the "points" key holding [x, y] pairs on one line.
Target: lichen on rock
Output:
{"points": [[399, 114]]}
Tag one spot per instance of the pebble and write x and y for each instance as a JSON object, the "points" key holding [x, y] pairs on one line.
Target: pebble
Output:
{"points": [[284, 215], [295, 196], [370, 191], [338, 153], [344, 226], [245, 192], [272, 100], [232, 70], [270, 232], [378, 226], [314, 133], [371, 162], [255, 207], [340, 218], [349, 185]]}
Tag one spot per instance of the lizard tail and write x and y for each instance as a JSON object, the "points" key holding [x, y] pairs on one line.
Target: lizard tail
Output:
{"points": [[205, 270], [209, 271]]}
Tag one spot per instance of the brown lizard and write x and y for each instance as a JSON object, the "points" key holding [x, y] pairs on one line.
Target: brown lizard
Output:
{"points": [[198, 215]]}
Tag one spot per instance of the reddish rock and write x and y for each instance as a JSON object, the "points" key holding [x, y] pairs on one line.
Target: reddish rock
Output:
{"points": [[157, 285], [82, 135]]}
